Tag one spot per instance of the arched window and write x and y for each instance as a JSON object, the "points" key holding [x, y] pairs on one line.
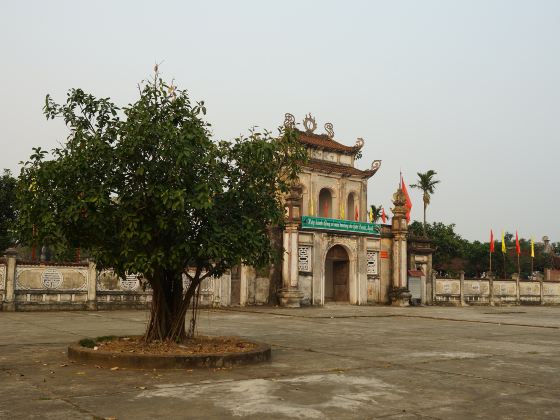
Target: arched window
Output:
{"points": [[349, 213], [325, 203]]}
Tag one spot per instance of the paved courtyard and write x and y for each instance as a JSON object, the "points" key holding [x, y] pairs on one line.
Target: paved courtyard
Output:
{"points": [[335, 362]]}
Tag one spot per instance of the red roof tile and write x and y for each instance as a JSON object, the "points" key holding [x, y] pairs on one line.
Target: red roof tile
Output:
{"points": [[322, 141], [329, 167], [415, 273]]}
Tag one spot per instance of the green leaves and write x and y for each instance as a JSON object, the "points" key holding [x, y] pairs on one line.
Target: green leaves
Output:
{"points": [[7, 209], [145, 188]]}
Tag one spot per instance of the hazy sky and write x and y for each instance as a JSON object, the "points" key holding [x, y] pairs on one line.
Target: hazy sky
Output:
{"points": [[470, 89]]}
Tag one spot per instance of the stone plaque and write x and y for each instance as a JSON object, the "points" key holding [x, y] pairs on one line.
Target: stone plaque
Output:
{"points": [[475, 287], [130, 282], [51, 278], [446, 288]]}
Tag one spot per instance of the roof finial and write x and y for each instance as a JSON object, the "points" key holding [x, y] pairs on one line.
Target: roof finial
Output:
{"points": [[289, 120], [375, 165], [309, 123], [330, 130]]}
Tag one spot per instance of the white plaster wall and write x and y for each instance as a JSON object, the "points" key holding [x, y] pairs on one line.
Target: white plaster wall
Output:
{"points": [[305, 285]]}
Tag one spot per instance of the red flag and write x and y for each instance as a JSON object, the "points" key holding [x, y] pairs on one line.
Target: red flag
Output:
{"points": [[408, 202], [356, 215], [491, 241], [517, 247], [383, 215]]}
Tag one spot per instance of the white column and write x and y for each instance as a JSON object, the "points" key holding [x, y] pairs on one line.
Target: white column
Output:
{"points": [[290, 295], [92, 286], [9, 297]]}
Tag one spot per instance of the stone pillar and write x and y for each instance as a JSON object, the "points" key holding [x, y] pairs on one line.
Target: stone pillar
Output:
{"points": [[434, 279], [541, 290], [462, 288], [10, 295], [399, 293], [243, 285], [290, 295], [92, 287]]}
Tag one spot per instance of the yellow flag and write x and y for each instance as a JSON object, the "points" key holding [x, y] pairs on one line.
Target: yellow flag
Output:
{"points": [[341, 211], [532, 248], [504, 250], [370, 215]]}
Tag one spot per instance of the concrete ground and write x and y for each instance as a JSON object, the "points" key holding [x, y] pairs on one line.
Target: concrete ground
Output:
{"points": [[334, 362]]}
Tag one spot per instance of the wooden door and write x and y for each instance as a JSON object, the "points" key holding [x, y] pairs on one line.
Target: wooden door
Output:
{"points": [[341, 271]]}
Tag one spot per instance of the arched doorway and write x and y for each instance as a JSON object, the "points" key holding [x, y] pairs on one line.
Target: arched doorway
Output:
{"points": [[337, 274]]}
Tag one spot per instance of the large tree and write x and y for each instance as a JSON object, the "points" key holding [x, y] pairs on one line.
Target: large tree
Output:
{"points": [[146, 190], [7, 209], [427, 183]]}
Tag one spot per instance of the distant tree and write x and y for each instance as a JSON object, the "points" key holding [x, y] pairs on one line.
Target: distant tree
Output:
{"points": [[455, 253], [7, 209], [376, 212], [427, 183], [476, 255], [449, 245], [147, 191]]}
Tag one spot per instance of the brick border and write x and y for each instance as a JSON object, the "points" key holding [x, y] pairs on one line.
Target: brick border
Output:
{"points": [[78, 353]]}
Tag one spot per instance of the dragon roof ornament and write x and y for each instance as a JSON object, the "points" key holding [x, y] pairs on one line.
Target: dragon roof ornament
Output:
{"points": [[375, 165], [309, 124], [289, 120], [330, 130]]}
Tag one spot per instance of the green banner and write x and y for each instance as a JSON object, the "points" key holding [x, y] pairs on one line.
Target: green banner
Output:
{"points": [[309, 222]]}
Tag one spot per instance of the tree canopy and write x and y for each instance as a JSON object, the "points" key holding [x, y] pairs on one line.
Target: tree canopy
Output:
{"points": [[7, 209], [427, 183], [146, 190]]}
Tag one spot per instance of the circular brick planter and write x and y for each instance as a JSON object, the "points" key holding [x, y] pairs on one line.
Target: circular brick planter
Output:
{"points": [[78, 353]]}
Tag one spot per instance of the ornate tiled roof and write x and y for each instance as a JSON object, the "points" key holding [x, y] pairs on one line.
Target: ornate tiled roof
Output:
{"points": [[329, 167], [323, 141]]}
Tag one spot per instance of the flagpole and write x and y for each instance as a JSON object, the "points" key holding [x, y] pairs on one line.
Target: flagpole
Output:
{"points": [[490, 261], [504, 255]]}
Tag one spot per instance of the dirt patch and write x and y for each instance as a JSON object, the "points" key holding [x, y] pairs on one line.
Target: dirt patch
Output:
{"points": [[194, 346]]}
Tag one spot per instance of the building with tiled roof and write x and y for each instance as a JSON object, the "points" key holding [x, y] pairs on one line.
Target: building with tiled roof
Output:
{"points": [[331, 251], [334, 219]]}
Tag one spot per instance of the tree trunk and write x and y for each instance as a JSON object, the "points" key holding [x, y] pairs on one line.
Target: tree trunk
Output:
{"points": [[425, 206], [169, 307]]}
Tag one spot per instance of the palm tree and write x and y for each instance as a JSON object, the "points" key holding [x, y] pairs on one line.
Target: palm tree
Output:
{"points": [[376, 212], [427, 184]]}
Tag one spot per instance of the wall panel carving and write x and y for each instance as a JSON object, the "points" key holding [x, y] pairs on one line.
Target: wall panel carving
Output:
{"points": [[304, 259], [372, 263]]}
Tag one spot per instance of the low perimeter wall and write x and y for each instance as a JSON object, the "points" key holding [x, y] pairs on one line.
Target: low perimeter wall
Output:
{"points": [[26, 285], [498, 292]]}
